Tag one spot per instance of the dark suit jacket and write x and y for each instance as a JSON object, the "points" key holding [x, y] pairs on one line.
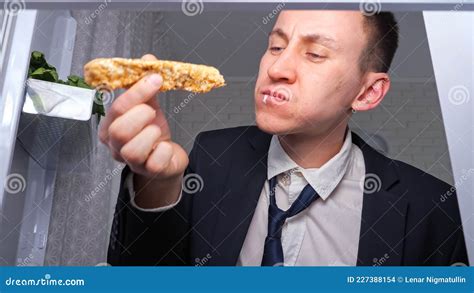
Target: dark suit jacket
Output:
{"points": [[411, 218]]}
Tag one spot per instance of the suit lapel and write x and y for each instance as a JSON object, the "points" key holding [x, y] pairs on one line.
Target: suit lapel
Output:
{"points": [[383, 212], [245, 181]]}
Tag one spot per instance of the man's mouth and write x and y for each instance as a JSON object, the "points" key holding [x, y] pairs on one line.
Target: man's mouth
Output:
{"points": [[276, 96]]}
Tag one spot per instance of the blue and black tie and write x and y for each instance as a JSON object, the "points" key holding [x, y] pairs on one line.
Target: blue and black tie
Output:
{"points": [[273, 251]]}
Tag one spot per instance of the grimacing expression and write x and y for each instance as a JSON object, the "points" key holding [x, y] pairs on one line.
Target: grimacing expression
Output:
{"points": [[309, 74]]}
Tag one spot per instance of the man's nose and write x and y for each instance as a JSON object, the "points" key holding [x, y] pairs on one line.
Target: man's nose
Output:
{"points": [[283, 69]]}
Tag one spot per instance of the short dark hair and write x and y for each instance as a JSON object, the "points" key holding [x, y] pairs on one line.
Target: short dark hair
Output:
{"points": [[382, 42]]}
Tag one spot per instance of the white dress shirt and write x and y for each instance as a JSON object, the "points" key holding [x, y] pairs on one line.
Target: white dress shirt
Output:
{"points": [[324, 234]]}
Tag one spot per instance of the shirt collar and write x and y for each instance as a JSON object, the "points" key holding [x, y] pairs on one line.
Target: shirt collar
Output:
{"points": [[324, 179]]}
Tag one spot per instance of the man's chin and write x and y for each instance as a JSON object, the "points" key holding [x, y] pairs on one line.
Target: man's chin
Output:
{"points": [[273, 126]]}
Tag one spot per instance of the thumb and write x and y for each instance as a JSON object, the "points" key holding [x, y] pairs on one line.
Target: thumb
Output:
{"points": [[149, 57]]}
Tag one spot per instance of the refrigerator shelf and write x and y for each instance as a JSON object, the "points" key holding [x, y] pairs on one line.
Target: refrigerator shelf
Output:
{"points": [[58, 144]]}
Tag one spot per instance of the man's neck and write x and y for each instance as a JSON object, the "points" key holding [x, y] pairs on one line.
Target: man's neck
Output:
{"points": [[313, 151]]}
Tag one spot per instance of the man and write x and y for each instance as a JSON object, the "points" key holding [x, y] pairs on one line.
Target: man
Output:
{"points": [[298, 189]]}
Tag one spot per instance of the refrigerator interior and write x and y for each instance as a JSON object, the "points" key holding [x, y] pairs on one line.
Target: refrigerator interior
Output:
{"points": [[52, 165]]}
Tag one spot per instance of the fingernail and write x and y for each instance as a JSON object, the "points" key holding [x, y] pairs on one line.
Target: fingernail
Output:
{"points": [[155, 79]]}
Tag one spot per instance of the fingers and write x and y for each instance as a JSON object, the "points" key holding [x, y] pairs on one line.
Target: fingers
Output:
{"points": [[160, 158], [167, 159], [127, 126], [149, 57], [137, 133], [140, 93], [137, 150]]}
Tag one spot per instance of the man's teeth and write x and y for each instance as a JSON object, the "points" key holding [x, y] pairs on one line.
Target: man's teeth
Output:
{"points": [[265, 97], [275, 97]]}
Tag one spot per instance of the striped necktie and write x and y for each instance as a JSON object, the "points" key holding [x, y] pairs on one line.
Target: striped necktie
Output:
{"points": [[273, 251]]}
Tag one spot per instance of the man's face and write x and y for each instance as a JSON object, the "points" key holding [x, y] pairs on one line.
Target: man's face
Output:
{"points": [[309, 74]]}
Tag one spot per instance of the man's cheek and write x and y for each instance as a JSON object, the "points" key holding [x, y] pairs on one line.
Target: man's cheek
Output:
{"points": [[312, 108]]}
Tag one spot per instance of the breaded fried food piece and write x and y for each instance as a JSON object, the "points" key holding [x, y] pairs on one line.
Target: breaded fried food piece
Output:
{"points": [[123, 73]]}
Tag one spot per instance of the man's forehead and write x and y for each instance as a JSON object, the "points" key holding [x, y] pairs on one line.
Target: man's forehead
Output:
{"points": [[323, 18], [324, 25]]}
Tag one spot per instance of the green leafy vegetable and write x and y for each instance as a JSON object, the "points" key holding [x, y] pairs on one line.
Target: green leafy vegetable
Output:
{"points": [[45, 74], [40, 69]]}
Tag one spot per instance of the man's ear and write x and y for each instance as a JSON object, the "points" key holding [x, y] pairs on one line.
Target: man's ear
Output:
{"points": [[378, 84]]}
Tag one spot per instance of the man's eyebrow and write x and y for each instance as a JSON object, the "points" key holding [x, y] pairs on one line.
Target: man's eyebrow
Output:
{"points": [[322, 39], [279, 32], [309, 38]]}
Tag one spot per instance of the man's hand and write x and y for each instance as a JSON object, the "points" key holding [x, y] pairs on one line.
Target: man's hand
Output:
{"points": [[137, 133]]}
